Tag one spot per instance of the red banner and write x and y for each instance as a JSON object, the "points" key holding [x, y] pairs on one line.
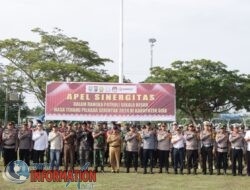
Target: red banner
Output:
{"points": [[110, 102]]}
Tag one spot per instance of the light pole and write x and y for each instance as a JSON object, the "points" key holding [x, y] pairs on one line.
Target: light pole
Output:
{"points": [[151, 41], [121, 45]]}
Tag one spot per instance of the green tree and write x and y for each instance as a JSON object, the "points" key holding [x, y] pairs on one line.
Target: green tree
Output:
{"points": [[56, 57], [37, 111], [2, 103], [12, 108], [204, 87]]}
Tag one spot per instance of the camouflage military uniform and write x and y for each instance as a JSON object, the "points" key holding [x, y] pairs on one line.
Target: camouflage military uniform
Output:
{"points": [[83, 146], [99, 144]]}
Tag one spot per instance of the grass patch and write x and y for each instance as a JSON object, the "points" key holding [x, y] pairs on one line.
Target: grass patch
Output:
{"points": [[139, 181]]}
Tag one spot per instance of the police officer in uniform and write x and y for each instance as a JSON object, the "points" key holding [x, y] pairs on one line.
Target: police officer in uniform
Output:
{"points": [[141, 129], [68, 142], [178, 142], [237, 145], [25, 143], [222, 149], [206, 137], [133, 140], [148, 136], [192, 140], [163, 146], [10, 143]]}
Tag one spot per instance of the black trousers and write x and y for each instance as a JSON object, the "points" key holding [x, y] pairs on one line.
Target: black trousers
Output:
{"points": [[24, 155], [172, 156], [178, 158], [192, 159], [221, 161], [237, 155], [39, 158], [207, 155], [164, 159], [9, 154], [48, 154], [83, 156], [141, 156], [155, 155], [148, 154], [248, 163], [132, 156]]}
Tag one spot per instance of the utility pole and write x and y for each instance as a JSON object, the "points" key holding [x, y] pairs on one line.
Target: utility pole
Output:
{"points": [[19, 109]]}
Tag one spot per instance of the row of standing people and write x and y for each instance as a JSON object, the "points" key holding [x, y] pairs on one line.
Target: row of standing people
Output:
{"points": [[63, 141]]}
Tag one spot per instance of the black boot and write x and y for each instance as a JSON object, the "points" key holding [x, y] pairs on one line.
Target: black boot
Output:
{"points": [[127, 170], [189, 172], [225, 172], [204, 172], [160, 171], [102, 169], [145, 171], [167, 171], [151, 171], [195, 171], [218, 171]]}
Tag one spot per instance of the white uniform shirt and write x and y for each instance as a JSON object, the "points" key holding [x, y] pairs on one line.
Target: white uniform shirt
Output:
{"points": [[247, 136], [181, 141], [40, 139]]}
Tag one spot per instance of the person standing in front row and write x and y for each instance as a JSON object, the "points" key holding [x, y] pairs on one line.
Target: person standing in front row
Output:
{"points": [[206, 137], [25, 143], [178, 142], [56, 146], [148, 136], [84, 144], [68, 148], [40, 139], [99, 145], [247, 139], [222, 149], [164, 140], [237, 145], [115, 141], [133, 140], [10, 143], [192, 141]]}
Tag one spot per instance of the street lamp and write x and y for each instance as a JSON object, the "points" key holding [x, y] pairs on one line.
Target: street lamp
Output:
{"points": [[151, 41]]}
